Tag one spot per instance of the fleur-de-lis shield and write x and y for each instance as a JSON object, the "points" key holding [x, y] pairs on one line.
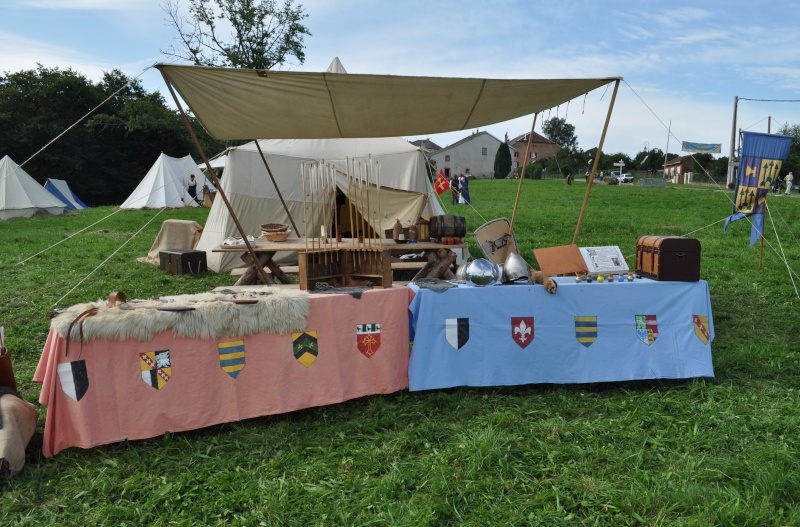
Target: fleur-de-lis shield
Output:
{"points": [[522, 330]]}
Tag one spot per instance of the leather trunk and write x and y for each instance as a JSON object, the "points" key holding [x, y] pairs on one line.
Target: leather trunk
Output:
{"points": [[182, 261], [668, 258]]}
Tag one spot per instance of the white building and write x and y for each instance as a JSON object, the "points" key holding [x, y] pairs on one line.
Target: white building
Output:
{"points": [[473, 155]]}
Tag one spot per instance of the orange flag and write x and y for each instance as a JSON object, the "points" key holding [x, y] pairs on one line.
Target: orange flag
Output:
{"points": [[441, 184]]}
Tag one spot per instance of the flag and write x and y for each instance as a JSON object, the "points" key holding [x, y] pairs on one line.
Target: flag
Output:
{"points": [[441, 184], [759, 165], [707, 148]]}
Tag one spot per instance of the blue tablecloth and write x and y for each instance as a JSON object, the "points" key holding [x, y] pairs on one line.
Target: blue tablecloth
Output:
{"points": [[587, 332]]}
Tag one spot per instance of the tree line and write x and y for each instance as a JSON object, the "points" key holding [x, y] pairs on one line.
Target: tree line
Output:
{"points": [[104, 156]]}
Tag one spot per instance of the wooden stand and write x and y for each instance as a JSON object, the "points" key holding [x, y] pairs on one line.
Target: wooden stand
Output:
{"points": [[345, 268]]}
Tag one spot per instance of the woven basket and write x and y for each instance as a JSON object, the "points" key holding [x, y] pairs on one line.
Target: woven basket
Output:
{"points": [[274, 227], [277, 236]]}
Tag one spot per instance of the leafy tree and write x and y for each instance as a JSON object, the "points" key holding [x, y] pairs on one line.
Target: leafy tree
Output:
{"points": [[561, 133], [261, 35], [792, 163], [102, 156], [502, 160]]}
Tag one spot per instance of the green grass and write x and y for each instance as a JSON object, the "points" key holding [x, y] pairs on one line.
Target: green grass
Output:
{"points": [[699, 452]]}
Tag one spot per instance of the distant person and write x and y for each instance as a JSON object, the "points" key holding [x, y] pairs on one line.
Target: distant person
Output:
{"points": [[569, 178], [454, 192], [464, 184], [192, 188], [789, 179], [776, 185]]}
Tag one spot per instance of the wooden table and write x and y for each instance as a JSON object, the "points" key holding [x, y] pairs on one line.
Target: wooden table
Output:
{"points": [[440, 256]]}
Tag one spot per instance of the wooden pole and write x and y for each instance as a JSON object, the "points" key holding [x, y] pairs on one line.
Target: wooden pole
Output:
{"points": [[305, 204], [519, 187], [594, 167], [261, 274], [274, 184]]}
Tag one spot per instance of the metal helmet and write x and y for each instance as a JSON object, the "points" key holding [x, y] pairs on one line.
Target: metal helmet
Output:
{"points": [[461, 272], [515, 269], [482, 272]]}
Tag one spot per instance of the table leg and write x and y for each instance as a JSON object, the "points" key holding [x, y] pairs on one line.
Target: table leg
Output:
{"points": [[250, 276]]}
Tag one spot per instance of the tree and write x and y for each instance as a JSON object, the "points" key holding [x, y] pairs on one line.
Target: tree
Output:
{"points": [[560, 132], [502, 160], [262, 35], [792, 163], [105, 155]]}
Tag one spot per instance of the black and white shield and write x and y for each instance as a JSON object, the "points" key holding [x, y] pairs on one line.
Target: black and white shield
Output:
{"points": [[74, 379], [457, 331]]}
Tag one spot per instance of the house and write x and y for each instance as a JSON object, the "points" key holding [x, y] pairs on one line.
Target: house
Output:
{"points": [[679, 169], [541, 148], [426, 145], [474, 156]]}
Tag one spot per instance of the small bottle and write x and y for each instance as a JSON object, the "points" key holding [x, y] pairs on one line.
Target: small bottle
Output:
{"points": [[397, 230], [412, 233]]}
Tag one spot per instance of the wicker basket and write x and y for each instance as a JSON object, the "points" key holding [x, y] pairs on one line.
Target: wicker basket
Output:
{"points": [[277, 236], [274, 227]]}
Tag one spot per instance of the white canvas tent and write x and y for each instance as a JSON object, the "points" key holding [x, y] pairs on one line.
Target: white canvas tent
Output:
{"points": [[60, 189], [405, 189], [165, 185], [21, 196]]}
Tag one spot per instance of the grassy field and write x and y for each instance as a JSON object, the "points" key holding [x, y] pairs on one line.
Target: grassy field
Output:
{"points": [[722, 451]]}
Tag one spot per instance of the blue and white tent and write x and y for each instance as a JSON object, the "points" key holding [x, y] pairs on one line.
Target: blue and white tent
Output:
{"points": [[60, 189]]}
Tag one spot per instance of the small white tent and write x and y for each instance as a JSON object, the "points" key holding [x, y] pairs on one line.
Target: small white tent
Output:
{"points": [[405, 188], [21, 196], [165, 185], [60, 189]]}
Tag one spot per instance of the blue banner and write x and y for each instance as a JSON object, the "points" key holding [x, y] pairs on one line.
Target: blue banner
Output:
{"points": [[760, 163], [703, 148]]}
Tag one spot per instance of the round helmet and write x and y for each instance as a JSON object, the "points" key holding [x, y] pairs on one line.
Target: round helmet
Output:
{"points": [[461, 272], [515, 269], [482, 272]]}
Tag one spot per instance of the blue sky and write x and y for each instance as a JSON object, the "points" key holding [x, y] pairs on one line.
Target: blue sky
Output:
{"points": [[683, 62]]}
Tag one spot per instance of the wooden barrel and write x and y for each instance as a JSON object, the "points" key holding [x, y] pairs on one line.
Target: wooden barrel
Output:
{"points": [[448, 226]]}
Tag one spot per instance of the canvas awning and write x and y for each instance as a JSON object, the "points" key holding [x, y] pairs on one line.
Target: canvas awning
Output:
{"points": [[258, 104]]}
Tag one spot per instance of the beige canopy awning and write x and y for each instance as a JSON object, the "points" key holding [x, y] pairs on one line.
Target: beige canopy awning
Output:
{"points": [[260, 104]]}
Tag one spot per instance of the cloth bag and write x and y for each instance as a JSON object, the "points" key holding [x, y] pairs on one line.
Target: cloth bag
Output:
{"points": [[18, 420]]}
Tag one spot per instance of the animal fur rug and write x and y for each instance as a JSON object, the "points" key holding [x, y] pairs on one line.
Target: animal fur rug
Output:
{"points": [[213, 315]]}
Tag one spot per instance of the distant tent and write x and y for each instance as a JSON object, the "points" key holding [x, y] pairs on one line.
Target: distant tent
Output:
{"points": [[60, 189], [217, 162], [165, 185], [21, 196]]}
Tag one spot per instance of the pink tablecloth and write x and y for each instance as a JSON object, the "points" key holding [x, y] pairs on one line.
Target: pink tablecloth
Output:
{"points": [[104, 391]]}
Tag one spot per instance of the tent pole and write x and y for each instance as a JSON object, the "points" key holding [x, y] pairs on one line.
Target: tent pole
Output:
{"points": [[260, 270], [594, 166], [519, 187], [274, 184]]}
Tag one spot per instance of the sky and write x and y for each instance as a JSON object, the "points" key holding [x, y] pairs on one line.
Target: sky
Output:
{"points": [[683, 62]]}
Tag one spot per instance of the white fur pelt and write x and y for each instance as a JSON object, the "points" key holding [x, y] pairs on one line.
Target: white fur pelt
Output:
{"points": [[277, 311]]}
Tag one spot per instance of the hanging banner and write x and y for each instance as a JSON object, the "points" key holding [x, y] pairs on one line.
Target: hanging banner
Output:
{"points": [[703, 148], [761, 161]]}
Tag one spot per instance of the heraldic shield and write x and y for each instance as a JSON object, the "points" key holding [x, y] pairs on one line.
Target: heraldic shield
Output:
{"points": [[74, 379], [368, 338], [701, 328], [586, 330], [456, 331], [231, 357], [305, 347], [522, 330], [156, 368], [646, 328]]}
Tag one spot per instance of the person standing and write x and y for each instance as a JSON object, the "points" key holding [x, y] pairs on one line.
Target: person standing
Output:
{"points": [[776, 185], [789, 179], [464, 182], [192, 188], [454, 192]]}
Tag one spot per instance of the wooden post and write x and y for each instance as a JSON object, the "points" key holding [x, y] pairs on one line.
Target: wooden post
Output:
{"points": [[260, 271], [594, 167], [274, 184]]}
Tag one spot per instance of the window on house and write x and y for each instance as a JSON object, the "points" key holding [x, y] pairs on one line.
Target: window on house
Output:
{"points": [[446, 159], [516, 164], [483, 151], [516, 154], [533, 155]]}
